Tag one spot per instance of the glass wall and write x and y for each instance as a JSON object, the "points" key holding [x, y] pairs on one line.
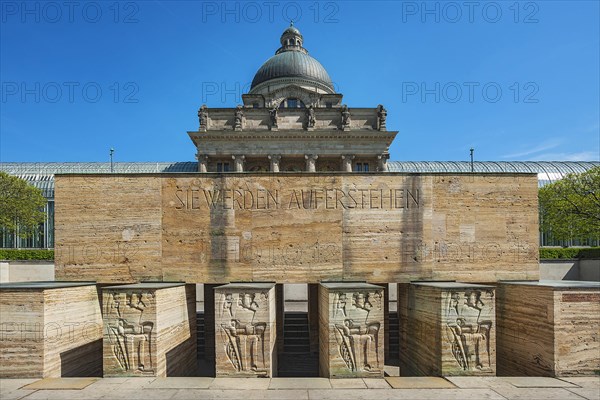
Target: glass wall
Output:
{"points": [[41, 238]]}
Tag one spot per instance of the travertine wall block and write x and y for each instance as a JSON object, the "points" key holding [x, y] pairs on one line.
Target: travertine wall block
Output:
{"points": [[351, 330], [246, 330], [548, 328], [447, 328], [149, 329], [50, 329], [296, 227]]}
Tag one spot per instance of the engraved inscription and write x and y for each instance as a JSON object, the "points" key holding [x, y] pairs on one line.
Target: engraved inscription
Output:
{"points": [[194, 198]]}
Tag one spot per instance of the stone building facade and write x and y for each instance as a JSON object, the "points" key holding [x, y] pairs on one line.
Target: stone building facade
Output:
{"points": [[292, 120]]}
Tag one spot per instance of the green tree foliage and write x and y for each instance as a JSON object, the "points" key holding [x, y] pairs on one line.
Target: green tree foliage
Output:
{"points": [[570, 207], [21, 205]]}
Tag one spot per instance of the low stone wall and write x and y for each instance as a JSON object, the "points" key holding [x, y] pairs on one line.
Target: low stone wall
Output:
{"points": [[575, 270], [26, 271]]}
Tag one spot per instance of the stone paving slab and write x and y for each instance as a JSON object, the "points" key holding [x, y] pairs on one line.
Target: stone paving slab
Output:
{"points": [[350, 383], [477, 382], [8, 385], [240, 383], [283, 394], [493, 388], [583, 381], [180, 383], [62, 394], [136, 383], [374, 383], [515, 393], [61, 384], [404, 394], [590, 393], [300, 383], [418, 382], [536, 382], [15, 394], [134, 394]]}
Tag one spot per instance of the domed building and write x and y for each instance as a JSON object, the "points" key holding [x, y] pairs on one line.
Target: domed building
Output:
{"points": [[292, 120]]}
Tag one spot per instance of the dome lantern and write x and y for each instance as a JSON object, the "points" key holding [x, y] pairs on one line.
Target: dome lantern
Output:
{"points": [[291, 40]]}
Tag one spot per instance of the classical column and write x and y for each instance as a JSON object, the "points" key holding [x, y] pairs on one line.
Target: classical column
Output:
{"points": [[238, 161], [347, 162], [202, 162], [311, 162], [382, 162], [275, 159]]}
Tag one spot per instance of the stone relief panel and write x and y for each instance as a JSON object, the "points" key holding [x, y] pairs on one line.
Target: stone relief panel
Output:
{"points": [[242, 333], [130, 329], [358, 320], [469, 324]]}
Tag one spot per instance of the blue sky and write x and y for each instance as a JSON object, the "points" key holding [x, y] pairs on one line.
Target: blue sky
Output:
{"points": [[514, 80]]}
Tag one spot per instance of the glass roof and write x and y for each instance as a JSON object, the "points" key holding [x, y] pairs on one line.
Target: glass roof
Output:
{"points": [[41, 175]]}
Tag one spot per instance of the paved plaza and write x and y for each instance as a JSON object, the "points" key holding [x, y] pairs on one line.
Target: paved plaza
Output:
{"points": [[462, 388]]}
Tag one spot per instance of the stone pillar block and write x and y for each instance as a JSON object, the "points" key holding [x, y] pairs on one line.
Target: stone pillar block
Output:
{"points": [[351, 330], [548, 328], [149, 329], [246, 330], [449, 328], [50, 330]]}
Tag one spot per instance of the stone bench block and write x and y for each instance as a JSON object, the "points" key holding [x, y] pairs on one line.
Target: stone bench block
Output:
{"points": [[351, 330], [447, 328], [50, 330], [548, 328], [245, 330], [149, 329]]}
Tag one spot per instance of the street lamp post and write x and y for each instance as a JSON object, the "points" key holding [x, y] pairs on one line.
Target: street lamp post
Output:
{"points": [[472, 168], [111, 160]]}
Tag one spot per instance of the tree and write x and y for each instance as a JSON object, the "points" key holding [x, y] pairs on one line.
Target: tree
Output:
{"points": [[21, 205], [570, 207]]}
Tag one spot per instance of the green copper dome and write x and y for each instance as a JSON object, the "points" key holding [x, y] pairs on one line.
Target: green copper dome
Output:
{"points": [[292, 61]]}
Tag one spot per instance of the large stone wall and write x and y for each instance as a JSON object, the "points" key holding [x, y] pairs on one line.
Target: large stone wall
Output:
{"points": [[296, 228]]}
